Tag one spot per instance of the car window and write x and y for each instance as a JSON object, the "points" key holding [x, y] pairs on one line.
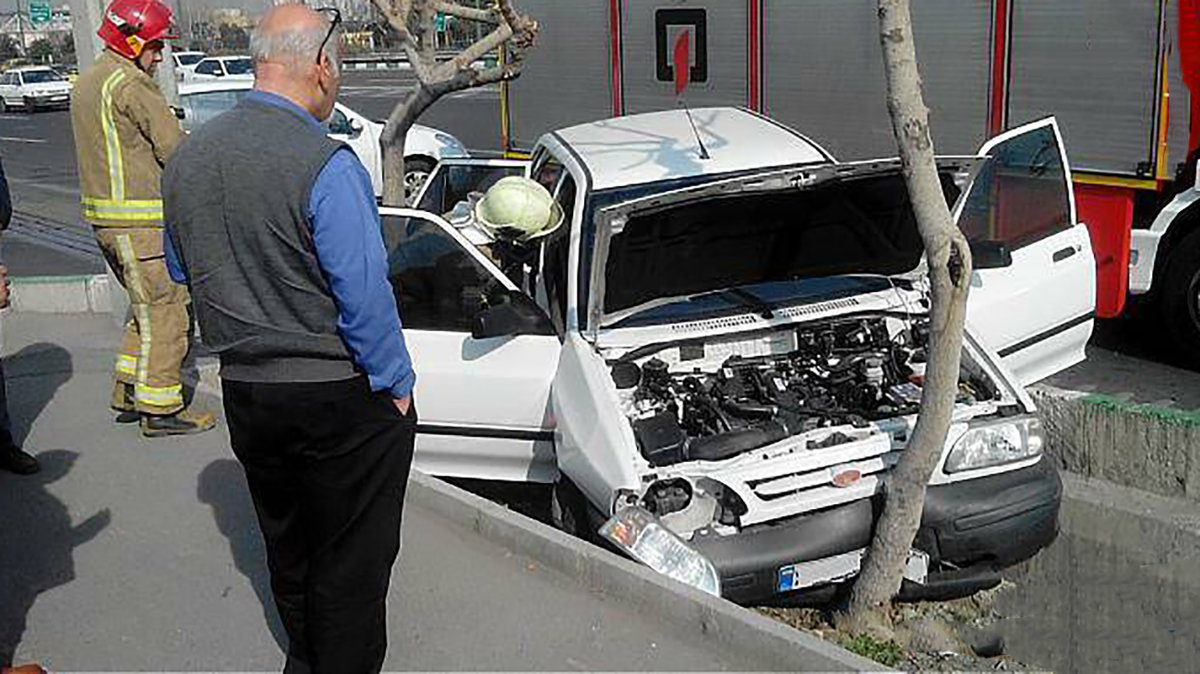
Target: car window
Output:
{"points": [[554, 261], [339, 123], [40, 76], [438, 285], [189, 59], [1020, 195], [207, 68], [201, 107], [452, 183], [239, 66], [5, 79], [548, 173]]}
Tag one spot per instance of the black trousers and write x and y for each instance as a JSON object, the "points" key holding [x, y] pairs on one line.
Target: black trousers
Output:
{"points": [[6, 438], [327, 464]]}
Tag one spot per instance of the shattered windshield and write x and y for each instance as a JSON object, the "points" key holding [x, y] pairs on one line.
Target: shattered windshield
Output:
{"points": [[773, 244]]}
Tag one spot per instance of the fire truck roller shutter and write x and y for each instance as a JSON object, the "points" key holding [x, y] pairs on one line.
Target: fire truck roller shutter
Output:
{"points": [[844, 108]]}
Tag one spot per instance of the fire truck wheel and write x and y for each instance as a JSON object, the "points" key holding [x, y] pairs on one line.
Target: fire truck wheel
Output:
{"points": [[1180, 299]]}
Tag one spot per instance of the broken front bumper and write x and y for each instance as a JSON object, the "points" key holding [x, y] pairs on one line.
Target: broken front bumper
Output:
{"points": [[974, 527]]}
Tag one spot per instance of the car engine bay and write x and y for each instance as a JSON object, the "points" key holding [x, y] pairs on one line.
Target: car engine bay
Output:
{"points": [[841, 372]]}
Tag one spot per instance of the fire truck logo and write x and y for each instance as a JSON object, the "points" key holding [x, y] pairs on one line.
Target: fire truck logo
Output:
{"points": [[681, 32]]}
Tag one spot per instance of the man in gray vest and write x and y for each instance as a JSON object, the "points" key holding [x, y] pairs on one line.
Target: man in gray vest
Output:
{"points": [[275, 229]]}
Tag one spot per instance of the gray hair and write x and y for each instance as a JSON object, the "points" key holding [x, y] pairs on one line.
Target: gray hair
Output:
{"points": [[294, 48]]}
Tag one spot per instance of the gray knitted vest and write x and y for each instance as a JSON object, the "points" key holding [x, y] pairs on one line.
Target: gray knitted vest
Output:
{"points": [[236, 196]]}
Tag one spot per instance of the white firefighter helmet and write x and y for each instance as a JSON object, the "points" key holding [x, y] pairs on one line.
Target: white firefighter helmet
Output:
{"points": [[518, 209]]}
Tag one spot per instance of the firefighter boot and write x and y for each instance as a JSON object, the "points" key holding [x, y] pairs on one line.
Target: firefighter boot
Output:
{"points": [[184, 422], [122, 403]]}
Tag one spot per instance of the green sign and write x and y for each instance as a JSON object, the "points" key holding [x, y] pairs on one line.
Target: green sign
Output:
{"points": [[39, 12]]}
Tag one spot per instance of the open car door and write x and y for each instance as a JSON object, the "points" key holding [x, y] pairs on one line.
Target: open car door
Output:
{"points": [[1036, 312], [482, 403]]}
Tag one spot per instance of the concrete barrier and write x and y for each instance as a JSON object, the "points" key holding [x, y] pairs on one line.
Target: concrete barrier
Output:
{"points": [[1144, 446], [635, 585]]}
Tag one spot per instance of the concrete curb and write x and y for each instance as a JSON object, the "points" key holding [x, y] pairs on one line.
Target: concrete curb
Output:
{"points": [[1144, 446], [62, 294], [608, 574]]}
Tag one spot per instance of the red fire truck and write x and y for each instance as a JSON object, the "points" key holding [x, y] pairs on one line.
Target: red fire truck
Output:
{"points": [[1115, 73]]}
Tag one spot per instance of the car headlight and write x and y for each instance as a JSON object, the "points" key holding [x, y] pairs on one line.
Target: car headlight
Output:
{"points": [[996, 443], [640, 534]]}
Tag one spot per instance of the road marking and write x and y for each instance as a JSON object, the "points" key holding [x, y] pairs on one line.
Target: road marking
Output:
{"points": [[14, 139]]}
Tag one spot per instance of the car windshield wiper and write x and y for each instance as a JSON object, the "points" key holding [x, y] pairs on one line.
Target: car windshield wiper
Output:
{"points": [[750, 300]]}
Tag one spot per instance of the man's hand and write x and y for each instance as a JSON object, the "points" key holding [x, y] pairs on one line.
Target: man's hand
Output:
{"points": [[3, 287], [403, 404]]}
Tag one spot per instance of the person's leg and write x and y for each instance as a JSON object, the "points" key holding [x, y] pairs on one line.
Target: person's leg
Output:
{"points": [[262, 440], [354, 483], [126, 366], [12, 458], [160, 308]]}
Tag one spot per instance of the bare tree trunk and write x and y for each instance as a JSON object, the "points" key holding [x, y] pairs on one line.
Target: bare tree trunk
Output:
{"points": [[413, 20], [949, 261]]}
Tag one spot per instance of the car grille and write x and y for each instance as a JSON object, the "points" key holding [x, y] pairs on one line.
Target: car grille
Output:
{"points": [[790, 480]]}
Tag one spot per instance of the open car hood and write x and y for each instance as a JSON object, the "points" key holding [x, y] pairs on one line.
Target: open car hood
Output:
{"points": [[779, 226]]}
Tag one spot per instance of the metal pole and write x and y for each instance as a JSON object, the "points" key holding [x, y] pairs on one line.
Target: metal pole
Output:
{"points": [[85, 21], [21, 29]]}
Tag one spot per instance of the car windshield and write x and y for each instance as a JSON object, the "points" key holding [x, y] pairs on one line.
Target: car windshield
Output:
{"points": [[39, 76], [778, 244], [239, 66], [189, 59]]}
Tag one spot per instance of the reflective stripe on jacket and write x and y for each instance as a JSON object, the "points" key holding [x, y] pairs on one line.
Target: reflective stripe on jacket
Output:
{"points": [[124, 132]]}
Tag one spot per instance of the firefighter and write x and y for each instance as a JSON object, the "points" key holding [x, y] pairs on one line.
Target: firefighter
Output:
{"points": [[124, 132]]}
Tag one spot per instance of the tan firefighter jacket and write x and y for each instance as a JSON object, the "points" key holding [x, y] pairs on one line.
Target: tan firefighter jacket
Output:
{"points": [[124, 132]]}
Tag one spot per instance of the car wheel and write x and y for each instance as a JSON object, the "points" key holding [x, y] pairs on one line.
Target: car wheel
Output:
{"points": [[568, 509], [416, 172], [1179, 301]]}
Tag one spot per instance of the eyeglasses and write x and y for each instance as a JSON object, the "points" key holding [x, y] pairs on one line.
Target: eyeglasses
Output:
{"points": [[333, 24]]}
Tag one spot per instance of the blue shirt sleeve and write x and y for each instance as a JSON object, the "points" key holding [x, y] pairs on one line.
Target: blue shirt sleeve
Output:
{"points": [[350, 251], [174, 264]]}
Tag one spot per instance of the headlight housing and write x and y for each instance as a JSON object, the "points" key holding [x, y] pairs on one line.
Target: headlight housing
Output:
{"points": [[996, 443]]}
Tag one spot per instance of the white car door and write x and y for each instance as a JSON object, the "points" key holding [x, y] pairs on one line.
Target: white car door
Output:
{"points": [[8, 89], [482, 403], [1038, 311]]}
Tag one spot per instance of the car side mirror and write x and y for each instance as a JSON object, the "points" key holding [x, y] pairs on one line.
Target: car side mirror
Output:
{"points": [[356, 127], [179, 114], [519, 315], [990, 255]]}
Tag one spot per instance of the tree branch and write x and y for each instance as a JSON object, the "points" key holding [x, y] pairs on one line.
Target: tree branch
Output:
{"points": [[464, 59], [468, 13]]}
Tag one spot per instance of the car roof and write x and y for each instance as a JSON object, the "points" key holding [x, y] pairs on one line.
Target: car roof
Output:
{"points": [[205, 86], [657, 146], [234, 57], [26, 69]]}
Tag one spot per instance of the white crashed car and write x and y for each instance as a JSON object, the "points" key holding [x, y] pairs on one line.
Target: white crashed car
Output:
{"points": [[424, 146], [718, 361], [33, 89]]}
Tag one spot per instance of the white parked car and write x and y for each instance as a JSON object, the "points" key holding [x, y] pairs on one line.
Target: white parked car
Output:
{"points": [[717, 360], [186, 62], [221, 68], [424, 146], [33, 89]]}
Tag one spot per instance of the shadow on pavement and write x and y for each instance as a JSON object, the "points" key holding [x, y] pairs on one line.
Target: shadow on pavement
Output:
{"points": [[222, 486], [37, 543], [33, 375]]}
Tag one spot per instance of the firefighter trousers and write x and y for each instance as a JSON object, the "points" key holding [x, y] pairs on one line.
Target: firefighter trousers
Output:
{"points": [[156, 336]]}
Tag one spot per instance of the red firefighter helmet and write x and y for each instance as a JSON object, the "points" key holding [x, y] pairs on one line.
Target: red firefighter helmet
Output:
{"points": [[129, 24]]}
